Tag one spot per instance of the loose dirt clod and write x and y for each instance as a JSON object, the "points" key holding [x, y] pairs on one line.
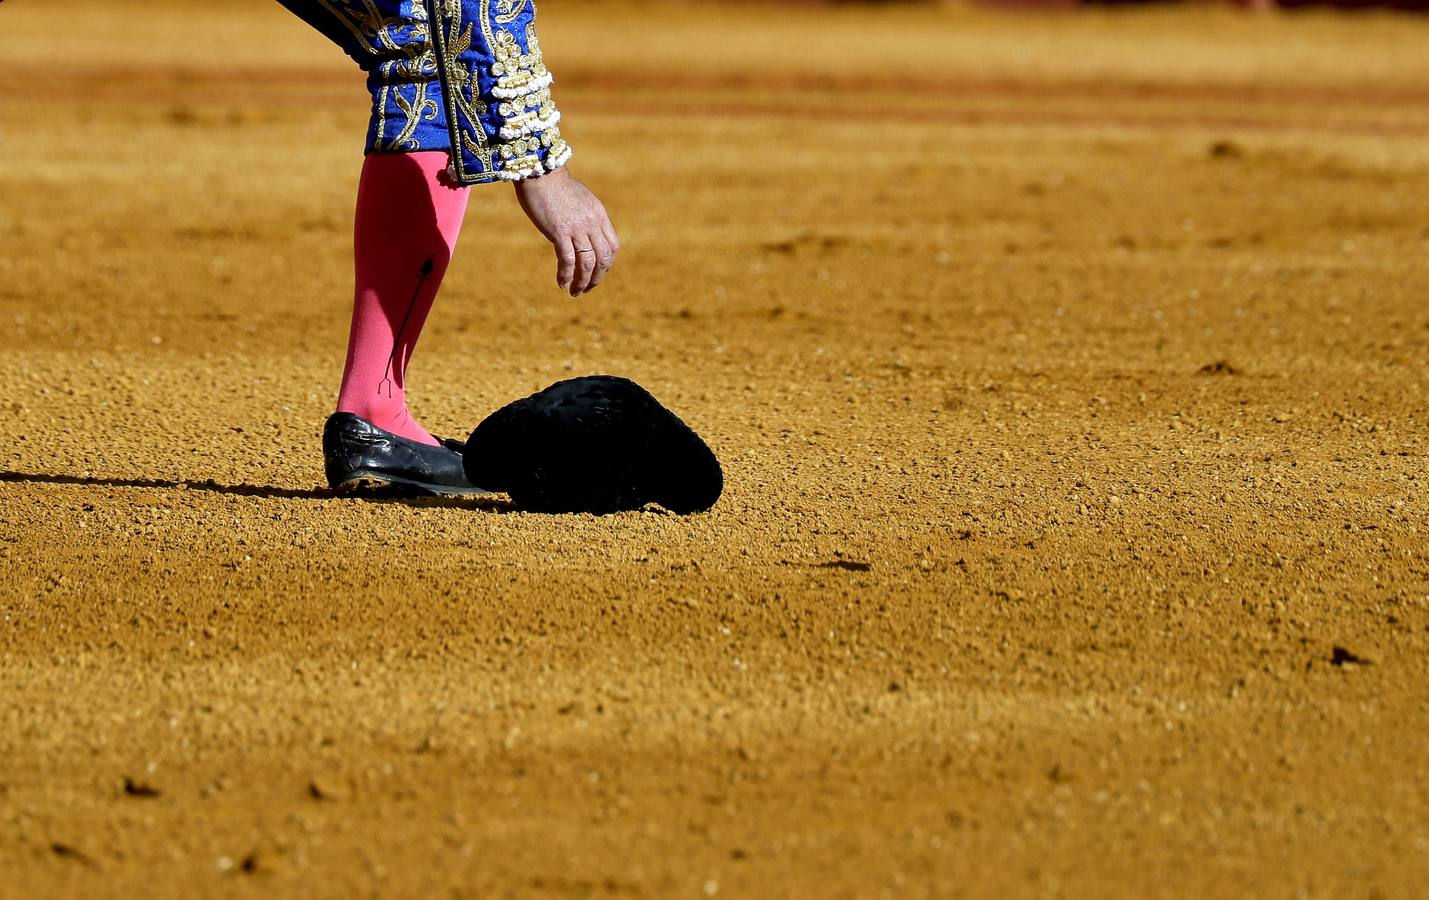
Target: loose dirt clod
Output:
{"points": [[848, 565], [1343, 656], [66, 851], [1224, 150], [322, 788], [139, 789]]}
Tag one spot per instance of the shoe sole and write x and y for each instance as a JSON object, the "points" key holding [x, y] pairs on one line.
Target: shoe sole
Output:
{"points": [[368, 482]]}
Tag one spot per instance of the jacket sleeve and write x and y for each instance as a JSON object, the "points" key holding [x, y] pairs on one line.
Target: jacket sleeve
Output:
{"points": [[496, 89]]}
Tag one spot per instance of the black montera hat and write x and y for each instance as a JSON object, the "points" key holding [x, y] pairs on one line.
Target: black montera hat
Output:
{"points": [[596, 444]]}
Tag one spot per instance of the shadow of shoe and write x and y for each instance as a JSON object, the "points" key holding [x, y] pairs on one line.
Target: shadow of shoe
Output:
{"points": [[486, 502]]}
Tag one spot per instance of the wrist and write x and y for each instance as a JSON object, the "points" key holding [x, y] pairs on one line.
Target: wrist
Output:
{"points": [[543, 182]]}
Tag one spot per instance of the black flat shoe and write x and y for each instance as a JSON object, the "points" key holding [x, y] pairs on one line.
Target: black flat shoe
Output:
{"points": [[358, 455], [596, 444]]}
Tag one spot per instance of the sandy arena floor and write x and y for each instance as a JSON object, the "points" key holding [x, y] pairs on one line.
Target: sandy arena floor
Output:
{"points": [[1071, 375]]}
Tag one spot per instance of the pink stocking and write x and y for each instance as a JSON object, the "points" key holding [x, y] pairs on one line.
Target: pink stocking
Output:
{"points": [[408, 217]]}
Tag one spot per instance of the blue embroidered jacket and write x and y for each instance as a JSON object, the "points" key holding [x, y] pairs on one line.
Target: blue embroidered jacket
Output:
{"points": [[459, 75]]}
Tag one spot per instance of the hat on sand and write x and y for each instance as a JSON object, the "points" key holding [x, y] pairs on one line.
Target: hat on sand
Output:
{"points": [[596, 444]]}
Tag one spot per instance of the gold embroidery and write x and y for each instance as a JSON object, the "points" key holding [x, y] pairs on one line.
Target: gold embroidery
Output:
{"points": [[522, 114], [368, 25], [462, 102], [419, 108], [508, 10], [404, 95], [380, 116]]}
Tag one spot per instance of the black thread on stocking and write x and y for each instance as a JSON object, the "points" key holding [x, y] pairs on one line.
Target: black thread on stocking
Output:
{"points": [[426, 272]]}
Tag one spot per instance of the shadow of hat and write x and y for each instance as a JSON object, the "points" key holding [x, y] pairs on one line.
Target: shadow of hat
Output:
{"points": [[595, 444]]}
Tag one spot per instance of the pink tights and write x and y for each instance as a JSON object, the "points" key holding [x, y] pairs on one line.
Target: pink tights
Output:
{"points": [[408, 217]]}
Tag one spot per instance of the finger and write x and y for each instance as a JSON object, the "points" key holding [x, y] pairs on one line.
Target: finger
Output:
{"points": [[585, 264], [604, 259], [611, 238], [565, 263]]}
